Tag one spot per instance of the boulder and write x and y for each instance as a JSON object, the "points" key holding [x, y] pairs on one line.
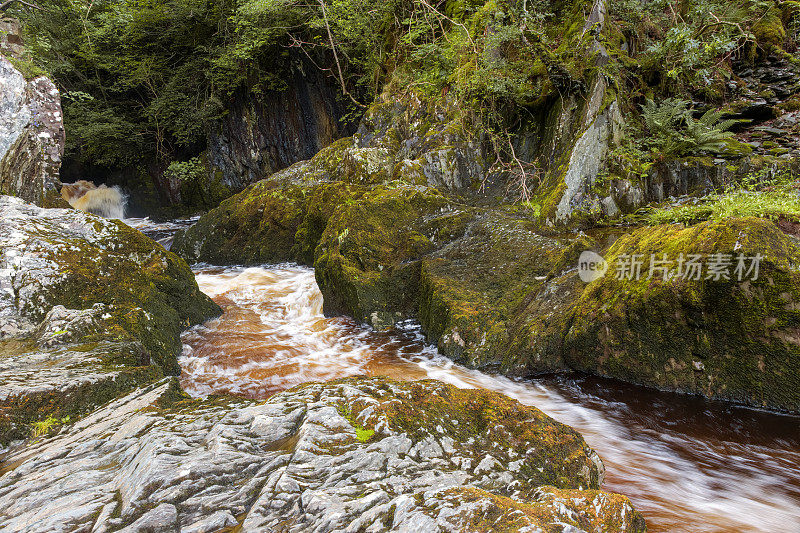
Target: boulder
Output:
{"points": [[89, 308], [720, 336], [357, 454], [269, 222]]}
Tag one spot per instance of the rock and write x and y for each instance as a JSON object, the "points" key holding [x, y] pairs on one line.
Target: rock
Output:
{"points": [[724, 338], [258, 137], [367, 262], [10, 37], [89, 309], [358, 454], [31, 138], [269, 222]]}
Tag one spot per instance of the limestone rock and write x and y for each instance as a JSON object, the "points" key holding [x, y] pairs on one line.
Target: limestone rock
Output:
{"points": [[358, 454], [89, 309]]}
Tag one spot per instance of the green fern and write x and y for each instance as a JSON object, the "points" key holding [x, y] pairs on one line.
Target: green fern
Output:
{"points": [[674, 132], [710, 132]]}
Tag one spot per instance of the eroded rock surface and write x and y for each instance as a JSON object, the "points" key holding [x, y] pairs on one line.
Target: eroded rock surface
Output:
{"points": [[89, 309], [359, 454], [31, 136]]}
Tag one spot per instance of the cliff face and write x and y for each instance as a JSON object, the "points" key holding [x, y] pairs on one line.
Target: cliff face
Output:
{"points": [[260, 136], [31, 129]]}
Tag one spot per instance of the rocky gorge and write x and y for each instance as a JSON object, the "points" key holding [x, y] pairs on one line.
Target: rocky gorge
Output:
{"points": [[447, 201]]}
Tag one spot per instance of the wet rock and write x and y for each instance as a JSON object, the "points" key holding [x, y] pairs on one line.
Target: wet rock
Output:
{"points": [[89, 309], [368, 258], [270, 222], [359, 454], [258, 137], [725, 335]]}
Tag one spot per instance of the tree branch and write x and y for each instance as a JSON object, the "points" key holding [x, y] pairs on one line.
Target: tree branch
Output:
{"points": [[336, 56], [5, 5]]}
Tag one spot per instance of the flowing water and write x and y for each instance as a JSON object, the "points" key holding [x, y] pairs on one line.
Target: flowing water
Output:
{"points": [[689, 465]]}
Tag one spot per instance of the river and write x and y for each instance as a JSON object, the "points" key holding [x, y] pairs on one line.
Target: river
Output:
{"points": [[688, 464]]}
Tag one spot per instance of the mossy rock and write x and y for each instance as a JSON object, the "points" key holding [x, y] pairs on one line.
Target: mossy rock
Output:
{"points": [[367, 263], [269, 222], [549, 509], [726, 338], [130, 271], [98, 310], [488, 298]]}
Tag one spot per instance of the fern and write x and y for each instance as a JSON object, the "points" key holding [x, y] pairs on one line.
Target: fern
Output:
{"points": [[710, 132], [674, 132]]}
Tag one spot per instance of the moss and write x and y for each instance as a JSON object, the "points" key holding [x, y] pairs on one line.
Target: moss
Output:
{"points": [[551, 509], [153, 290], [367, 261], [46, 426], [730, 339], [27, 68], [769, 30], [255, 226], [269, 222]]}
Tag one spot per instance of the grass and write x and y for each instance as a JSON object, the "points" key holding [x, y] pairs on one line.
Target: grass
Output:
{"points": [[771, 200], [362, 434], [43, 427]]}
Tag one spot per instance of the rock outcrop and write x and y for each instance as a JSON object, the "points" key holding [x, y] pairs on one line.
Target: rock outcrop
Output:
{"points": [[359, 454], [730, 333], [31, 131], [89, 308], [258, 137], [496, 291]]}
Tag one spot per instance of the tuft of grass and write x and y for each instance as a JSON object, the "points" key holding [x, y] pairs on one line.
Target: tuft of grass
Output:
{"points": [[771, 200], [364, 435], [43, 427]]}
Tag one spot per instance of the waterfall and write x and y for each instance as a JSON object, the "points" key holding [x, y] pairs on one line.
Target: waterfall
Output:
{"points": [[107, 202]]}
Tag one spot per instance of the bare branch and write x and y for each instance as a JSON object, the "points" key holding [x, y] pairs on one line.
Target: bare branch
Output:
{"points": [[5, 5], [336, 55]]}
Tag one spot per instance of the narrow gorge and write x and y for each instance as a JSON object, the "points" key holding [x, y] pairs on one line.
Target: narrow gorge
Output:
{"points": [[413, 266]]}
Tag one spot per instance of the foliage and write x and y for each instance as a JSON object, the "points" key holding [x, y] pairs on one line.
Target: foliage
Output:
{"points": [[192, 170], [689, 44], [46, 426], [765, 194], [674, 132]]}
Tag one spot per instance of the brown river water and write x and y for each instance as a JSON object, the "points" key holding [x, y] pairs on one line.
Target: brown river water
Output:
{"points": [[688, 464]]}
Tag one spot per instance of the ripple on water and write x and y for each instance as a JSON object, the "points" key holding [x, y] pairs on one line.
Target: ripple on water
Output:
{"points": [[689, 465]]}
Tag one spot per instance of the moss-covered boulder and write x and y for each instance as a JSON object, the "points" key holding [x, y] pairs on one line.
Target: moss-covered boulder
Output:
{"points": [[269, 222], [369, 256], [357, 454], [731, 336], [89, 308], [494, 297]]}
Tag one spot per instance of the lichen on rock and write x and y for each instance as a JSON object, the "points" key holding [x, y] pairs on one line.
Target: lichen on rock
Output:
{"points": [[296, 462], [89, 309], [31, 137], [728, 338]]}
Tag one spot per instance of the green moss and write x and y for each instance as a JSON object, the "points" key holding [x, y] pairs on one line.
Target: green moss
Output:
{"points": [[769, 30], [27, 68], [729, 339], [367, 262]]}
